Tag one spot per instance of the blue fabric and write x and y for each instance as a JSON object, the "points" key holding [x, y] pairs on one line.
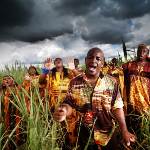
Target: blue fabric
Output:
{"points": [[45, 71]]}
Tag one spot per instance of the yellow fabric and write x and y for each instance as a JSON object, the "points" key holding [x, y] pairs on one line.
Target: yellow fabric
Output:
{"points": [[58, 88], [139, 95], [119, 71], [105, 70], [102, 97]]}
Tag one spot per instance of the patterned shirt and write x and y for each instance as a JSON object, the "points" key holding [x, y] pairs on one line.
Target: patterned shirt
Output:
{"points": [[95, 105]]}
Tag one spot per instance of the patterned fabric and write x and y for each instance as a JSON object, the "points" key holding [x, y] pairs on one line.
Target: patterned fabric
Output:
{"points": [[105, 69], [29, 83], [137, 81], [11, 114], [77, 71], [117, 72], [58, 88], [95, 104], [33, 80]]}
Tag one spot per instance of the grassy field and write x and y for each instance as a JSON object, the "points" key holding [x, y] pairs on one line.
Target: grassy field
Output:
{"points": [[41, 130]]}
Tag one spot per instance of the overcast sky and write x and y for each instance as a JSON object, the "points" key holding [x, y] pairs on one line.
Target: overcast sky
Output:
{"points": [[31, 30]]}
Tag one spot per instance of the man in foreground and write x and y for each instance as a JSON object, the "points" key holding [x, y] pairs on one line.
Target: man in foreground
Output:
{"points": [[97, 100]]}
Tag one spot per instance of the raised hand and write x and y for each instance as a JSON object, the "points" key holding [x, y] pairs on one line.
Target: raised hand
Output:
{"points": [[70, 61], [48, 63]]}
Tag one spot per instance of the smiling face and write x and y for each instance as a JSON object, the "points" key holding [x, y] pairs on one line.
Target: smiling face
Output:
{"points": [[94, 62]]}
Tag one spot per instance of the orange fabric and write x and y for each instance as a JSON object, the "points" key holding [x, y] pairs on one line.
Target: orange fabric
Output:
{"points": [[117, 72], [137, 82], [58, 88], [8, 113], [6, 110], [26, 85]]}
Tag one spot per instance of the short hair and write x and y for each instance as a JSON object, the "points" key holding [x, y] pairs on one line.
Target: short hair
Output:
{"points": [[142, 46], [95, 49], [76, 59], [57, 59]]}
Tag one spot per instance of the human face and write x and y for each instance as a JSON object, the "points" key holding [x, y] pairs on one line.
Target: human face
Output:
{"points": [[58, 63], [94, 62], [8, 81], [32, 71], [143, 53], [114, 61], [76, 62]]}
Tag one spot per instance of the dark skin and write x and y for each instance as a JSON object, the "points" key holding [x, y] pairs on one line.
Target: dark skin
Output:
{"points": [[59, 65], [94, 62], [142, 54], [114, 62], [76, 63], [32, 71], [8, 81]]}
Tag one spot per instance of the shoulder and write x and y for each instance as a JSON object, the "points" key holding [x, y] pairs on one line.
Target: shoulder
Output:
{"points": [[128, 64], [110, 79], [77, 80], [53, 69]]}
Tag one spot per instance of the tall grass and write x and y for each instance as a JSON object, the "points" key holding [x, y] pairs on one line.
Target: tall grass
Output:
{"points": [[143, 141], [42, 132], [40, 129]]}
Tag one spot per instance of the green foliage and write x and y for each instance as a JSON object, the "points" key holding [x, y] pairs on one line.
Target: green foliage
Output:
{"points": [[41, 130]]}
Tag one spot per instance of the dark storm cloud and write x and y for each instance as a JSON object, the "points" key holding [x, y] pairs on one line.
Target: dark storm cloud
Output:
{"points": [[105, 21], [76, 7], [124, 9], [110, 37], [119, 9], [14, 12]]}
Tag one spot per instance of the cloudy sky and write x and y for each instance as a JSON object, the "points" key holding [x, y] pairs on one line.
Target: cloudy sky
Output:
{"points": [[31, 30]]}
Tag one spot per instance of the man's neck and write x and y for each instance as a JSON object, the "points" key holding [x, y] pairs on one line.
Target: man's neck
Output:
{"points": [[92, 79], [59, 69], [76, 67]]}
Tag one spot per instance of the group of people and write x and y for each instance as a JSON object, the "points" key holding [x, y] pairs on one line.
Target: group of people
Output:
{"points": [[102, 104]]}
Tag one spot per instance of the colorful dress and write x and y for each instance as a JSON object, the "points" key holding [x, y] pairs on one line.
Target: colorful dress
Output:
{"points": [[117, 72], [58, 87], [11, 116], [28, 84], [137, 82], [94, 107], [137, 92]]}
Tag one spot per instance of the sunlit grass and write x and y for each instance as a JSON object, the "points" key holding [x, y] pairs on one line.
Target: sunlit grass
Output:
{"points": [[42, 132]]}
